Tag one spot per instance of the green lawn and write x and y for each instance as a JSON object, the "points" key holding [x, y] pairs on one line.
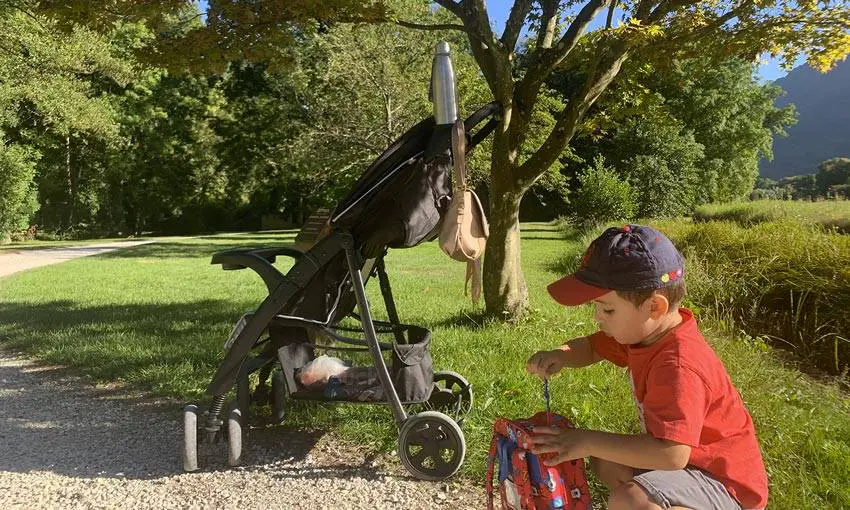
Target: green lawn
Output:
{"points": [[156, 316]]}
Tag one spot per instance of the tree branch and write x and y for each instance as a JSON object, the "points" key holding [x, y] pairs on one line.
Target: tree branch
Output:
{"points": [[419, 26], [550, 58], [571, 115], [516, 20], [610, 14], [494, 63], [644, 8], [547, 24], [453, 7]]}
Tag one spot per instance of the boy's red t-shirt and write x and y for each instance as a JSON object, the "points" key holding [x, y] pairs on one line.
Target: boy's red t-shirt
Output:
{"points": [[684, 394]]}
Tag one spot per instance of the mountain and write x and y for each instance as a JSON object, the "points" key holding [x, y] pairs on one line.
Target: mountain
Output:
{"points": [[823, 129]]}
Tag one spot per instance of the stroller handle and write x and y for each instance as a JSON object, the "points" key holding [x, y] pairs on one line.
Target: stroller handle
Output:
{"points": [[258, 259]]}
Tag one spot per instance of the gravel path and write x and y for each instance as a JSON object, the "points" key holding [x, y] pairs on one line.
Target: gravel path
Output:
{"points": [[14, 261], [65, 443]]}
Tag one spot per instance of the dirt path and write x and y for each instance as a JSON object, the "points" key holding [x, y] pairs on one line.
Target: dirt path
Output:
{"points": [[16, 261], [65, 443]]}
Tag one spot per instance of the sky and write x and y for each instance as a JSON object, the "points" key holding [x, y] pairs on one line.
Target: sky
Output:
{"points": [[499, 10]]}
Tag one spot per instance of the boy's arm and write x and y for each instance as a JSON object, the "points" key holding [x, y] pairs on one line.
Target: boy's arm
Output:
{"points": [[579, 353], [573, 354], [640, 451]]}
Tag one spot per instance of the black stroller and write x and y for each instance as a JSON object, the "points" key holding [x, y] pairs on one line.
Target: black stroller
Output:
{"points": [[398, 202]]}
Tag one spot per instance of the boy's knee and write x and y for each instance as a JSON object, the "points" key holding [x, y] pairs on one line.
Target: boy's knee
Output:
{"points": [[610, 473], [630, 496]]}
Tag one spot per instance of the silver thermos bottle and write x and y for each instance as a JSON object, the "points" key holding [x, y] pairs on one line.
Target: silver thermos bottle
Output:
{"points": [[442, 93]]}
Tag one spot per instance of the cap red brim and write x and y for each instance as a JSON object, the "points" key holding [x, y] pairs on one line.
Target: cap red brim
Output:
{"points": [[570, 291]]}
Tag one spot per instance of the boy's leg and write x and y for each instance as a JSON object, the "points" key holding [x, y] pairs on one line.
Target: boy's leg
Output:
{"points": [[631, 496], [610, 473], [683, 488]]}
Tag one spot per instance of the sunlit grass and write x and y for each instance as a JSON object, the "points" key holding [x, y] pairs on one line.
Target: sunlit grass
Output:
{"points": [[830, 214], [156, 316]]}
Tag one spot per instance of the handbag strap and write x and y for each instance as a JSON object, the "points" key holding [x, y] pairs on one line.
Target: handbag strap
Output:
{"points": [[459, 155]]}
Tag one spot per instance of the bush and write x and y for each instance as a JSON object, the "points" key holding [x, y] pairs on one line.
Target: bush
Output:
{"points": [[602, 196]]}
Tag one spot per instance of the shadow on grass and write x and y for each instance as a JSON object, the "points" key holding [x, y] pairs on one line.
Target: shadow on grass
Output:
{"points": [[54, 420], [552, 230], [120, 341], [477, 319], [554, 237], [168, 250]]}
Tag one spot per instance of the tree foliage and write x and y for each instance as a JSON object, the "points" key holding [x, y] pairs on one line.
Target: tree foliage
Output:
{"points": [[537, 127], [231, 30], [17, 168], [705, 125], [49, 96], [833, 176]]}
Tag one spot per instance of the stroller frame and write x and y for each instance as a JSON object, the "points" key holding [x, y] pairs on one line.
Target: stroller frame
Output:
{"points": [[431, 442], [435, 433]]}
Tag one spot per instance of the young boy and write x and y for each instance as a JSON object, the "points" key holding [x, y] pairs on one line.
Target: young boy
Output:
{"points": [[698, 448]]}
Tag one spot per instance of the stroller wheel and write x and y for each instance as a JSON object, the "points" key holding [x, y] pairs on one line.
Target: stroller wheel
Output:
{"points": [[190, 438], [278, 397], [234, 434], [431, 446], [452, 395]]}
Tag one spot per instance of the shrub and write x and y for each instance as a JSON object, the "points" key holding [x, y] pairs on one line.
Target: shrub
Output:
{"points": [[602, 195]]}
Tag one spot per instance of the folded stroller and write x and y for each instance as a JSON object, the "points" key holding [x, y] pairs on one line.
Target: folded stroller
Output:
{"points": [[398, 202]]}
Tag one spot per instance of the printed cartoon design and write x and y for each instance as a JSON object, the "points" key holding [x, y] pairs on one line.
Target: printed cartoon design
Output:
{"points": [[524, 481]]}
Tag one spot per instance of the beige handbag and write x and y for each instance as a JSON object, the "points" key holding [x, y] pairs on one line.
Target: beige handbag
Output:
{"points": [[465, 230]]}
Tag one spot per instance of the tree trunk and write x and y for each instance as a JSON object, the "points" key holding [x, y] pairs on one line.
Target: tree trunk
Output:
{"points": [[72, 183], [505, 291]]}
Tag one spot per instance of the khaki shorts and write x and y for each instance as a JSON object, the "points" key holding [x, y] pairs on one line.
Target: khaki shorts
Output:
{"points": [[689, 487]]}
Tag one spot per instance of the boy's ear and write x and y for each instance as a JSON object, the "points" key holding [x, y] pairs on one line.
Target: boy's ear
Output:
{"points": [[658, 306]]}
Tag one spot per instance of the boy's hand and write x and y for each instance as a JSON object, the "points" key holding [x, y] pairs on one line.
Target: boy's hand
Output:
{"points": [[546, 363], [566, 444]]}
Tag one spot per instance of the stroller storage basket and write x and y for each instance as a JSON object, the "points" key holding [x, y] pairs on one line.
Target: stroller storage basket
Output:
{"points": [[411, 368]]}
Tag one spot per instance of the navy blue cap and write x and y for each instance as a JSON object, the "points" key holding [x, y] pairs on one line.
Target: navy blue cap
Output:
{"points": [[628, 258]]}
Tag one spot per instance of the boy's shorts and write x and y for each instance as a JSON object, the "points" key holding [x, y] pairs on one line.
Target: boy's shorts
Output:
{"points": [[689, 487]]}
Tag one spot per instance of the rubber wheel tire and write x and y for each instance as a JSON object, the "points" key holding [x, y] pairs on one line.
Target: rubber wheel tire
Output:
{"points": [[431, 446], [234, 434], [278, 397], [453, 397], [190, 438]]}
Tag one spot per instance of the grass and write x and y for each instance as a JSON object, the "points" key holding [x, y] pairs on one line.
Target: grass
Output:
{"points": [[784, 280], [830, 214], [155, 317]]}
